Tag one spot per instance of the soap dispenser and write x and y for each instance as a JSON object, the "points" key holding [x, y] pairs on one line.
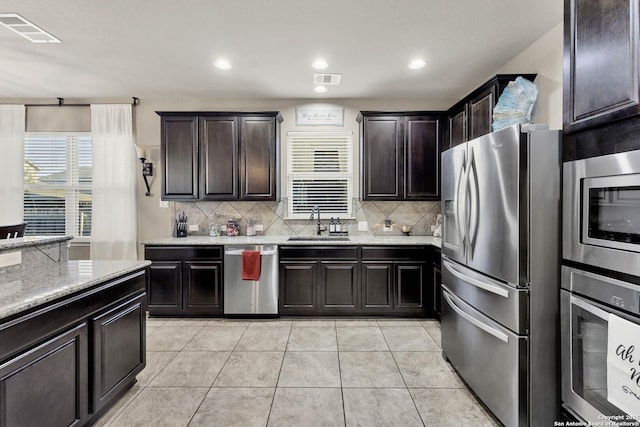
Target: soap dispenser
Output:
{"points": [[332, 226]]}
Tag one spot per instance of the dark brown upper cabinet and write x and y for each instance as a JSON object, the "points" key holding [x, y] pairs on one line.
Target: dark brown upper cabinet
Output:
{"points": [[400, 155], [472, 117], [600, 62], [179, 152], [220, 155]]}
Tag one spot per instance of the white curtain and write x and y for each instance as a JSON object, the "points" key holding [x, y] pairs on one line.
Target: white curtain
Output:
{"points": [[12, 164], [113, 224]]}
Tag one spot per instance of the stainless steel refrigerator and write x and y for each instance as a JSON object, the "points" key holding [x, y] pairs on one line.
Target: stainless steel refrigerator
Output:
{"points": [[500, 271]]}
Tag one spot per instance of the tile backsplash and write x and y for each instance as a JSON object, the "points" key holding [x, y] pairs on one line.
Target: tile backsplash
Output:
{"points": [[419, 215]]}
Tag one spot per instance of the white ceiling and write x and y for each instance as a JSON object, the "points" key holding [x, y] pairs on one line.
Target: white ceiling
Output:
{"points": [[166, 48]]}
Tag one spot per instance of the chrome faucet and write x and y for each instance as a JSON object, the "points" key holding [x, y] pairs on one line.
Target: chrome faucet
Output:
{"points": [[321, 227]]}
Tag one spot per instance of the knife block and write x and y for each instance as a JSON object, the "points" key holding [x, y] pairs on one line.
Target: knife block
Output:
{"points": [[181, 229]]}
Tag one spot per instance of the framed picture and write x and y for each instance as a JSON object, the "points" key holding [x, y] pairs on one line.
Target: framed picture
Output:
{"points": [[319, 116]]}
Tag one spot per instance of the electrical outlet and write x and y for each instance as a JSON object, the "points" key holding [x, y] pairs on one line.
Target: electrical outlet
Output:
{"points": [[164, 204], [387, 228], [193, 227], [259, 227], [363, 225]]}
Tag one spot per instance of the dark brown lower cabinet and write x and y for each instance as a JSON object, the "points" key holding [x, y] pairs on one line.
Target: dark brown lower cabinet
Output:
{"points": [[298, 287], [377, 285], [338, 290], [118, 350], [355, 281], [66, 362], [410, 284], [437, 283], [185, 280], [203, 282], [47, 385]]}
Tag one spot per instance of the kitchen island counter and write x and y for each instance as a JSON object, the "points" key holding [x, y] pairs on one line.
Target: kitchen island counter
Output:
{"points": [[24, 289]]}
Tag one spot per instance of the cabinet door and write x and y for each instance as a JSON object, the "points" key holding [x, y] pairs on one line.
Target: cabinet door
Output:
{"points": [[481, 112], [258, 158], [48, 385], [457, 127], [219, 157], [422, 158], [203, 287], [437, 288], [382, 158], [338, 286], [298, 287], [179, 151], [410, 286], [377, 286], [601, 79], [118, 350], [165, 287]]}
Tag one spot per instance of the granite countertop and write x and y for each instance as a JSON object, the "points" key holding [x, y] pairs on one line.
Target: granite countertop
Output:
{"points": [[357, 240], [22, 242], [22, 290]]}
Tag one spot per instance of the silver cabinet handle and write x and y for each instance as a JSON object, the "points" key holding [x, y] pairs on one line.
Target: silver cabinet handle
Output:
{"points": [[494, 289], [488, 329], [239, 252]]}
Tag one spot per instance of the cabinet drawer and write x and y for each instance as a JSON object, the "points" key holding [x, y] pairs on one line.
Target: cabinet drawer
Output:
{"points": [[394, 253], [318, 252], [191, 253]]}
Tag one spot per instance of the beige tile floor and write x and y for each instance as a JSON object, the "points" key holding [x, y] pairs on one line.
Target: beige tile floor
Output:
{"points": [[296, 372]]}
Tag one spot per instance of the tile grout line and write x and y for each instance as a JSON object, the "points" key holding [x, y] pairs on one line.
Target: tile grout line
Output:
{"points": [[217, 375], [402, 376], [275, 389]]}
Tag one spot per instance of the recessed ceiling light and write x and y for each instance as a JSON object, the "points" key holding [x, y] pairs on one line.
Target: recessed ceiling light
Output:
{"points": [[416, 64], [319, 64], [222, 64], [320, 89], [26, 29]]}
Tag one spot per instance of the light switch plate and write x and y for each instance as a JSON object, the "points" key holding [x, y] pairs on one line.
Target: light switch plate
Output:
{"points": [[363, 225], [193, 227], [164, 204]]}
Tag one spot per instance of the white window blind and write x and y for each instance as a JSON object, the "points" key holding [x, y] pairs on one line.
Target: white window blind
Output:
{"points": [[57, 184], [320, 173]]}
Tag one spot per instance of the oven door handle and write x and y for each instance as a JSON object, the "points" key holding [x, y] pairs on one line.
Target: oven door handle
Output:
{"points": [[488, 329], [589, 307], [475, 282]]}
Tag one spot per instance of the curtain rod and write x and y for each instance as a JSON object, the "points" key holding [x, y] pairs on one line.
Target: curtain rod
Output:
{"points": [[135, 102]]}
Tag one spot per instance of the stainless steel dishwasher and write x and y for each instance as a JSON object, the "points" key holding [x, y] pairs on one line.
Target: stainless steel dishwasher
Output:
{"points": [[254, 297]]}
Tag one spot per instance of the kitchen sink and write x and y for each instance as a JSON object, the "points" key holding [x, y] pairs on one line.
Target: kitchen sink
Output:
{"points": [[318, 238]]}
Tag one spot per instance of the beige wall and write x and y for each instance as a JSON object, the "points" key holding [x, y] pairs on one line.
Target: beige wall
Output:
{"points": [[543, 57]]}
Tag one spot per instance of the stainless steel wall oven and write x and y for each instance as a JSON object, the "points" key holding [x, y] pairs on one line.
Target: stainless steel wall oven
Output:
{"points": [[587, 302], [600, 281]]}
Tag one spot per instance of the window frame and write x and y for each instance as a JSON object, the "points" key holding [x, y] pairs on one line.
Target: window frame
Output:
{"points": [[73, 185], [335, 137]]}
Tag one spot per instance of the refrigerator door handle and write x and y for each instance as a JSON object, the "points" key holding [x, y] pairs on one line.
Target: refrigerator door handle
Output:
{"points": [[474, 203], [475, 282], [461, 216], [488, 329]]}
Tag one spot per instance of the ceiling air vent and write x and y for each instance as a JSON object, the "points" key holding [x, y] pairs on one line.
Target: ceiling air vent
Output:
{"points": [[327, 79], [26, 29]]}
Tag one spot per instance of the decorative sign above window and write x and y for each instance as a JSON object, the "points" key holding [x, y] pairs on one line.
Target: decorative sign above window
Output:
{"points": [[319, 116]]}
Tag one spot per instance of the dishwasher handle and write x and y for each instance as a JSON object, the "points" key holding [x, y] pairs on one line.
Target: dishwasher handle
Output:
{"points": [[239, 252]]}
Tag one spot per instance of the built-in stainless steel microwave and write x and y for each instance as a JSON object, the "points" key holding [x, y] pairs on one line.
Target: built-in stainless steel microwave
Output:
{"points": [[601, 212]]}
